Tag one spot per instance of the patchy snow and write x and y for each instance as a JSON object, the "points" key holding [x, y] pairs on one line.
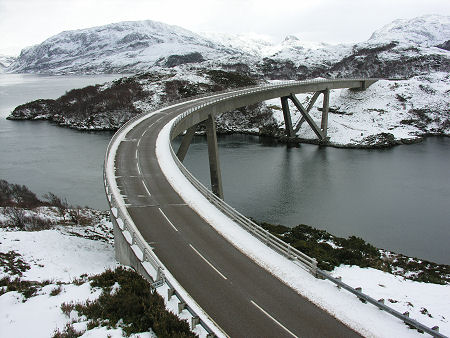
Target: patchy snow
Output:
{"points": [[366, 319], [427, 30], [407, 109], [57, 255], [119, 47]]}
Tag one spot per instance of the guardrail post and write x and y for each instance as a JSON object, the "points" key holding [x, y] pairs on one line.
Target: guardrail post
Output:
{"points": [[181, 307], [313, 268], [195, 321], [170, 293], [339, 278], [359, 289], [267, 237], [158, 273]]}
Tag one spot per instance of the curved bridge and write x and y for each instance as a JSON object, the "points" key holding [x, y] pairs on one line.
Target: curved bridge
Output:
{"points": [[160, 234]]}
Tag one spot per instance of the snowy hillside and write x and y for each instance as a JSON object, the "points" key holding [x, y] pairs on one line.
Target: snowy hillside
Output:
{"points": [[5, 62], [426, 31], [61, 258], [402, 49], [119, 47], [387, 113]]}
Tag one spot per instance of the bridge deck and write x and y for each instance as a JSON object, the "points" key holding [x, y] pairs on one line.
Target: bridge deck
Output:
{"points": [[239, 295]]}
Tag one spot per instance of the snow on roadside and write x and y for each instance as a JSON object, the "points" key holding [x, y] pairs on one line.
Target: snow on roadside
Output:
{"points": [[58, 256], [365, 319], [407, 109]]}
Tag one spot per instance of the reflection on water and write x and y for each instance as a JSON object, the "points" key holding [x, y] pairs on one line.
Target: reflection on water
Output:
{"points": [[45, 157], [396, 198]]}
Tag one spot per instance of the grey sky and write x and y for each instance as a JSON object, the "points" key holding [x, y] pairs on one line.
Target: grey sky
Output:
{"points": [[28, 22]]}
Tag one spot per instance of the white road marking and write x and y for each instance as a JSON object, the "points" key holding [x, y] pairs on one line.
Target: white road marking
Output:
{"points": [[168, 220], [276, 321], [138, 168], [212, 266], [136, 154], [145, 186]]}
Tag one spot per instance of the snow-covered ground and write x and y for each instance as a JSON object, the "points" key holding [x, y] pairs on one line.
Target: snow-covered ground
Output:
{"points": [[427, 303], [407, 109], [59, 258]]}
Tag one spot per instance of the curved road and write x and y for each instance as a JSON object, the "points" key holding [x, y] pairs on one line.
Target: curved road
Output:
{"points": [[241, 297]]}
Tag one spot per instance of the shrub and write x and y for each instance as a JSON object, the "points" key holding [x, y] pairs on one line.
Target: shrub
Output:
{"points": [[68, 332], [134, 305]]}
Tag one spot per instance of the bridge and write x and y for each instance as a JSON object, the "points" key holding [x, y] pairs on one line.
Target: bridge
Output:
{"points": [[167, 239]]}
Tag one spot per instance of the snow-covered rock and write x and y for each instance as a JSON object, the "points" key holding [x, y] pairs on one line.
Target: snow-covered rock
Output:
{"points": [[402, 49], [5, 62], [389, 112], [426, 31], [120, 48]]}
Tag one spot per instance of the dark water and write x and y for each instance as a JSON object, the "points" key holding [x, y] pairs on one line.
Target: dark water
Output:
{"points": [[44, 157], [397, 199]]}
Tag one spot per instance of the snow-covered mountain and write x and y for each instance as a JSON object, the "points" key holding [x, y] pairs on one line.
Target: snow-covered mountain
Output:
{"points": [[401, 49], [5, 62], [119, 47], [425, 31]]}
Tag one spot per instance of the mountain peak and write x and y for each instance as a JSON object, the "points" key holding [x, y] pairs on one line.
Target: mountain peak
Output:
{"points": [[117, 47], [427, 30]]}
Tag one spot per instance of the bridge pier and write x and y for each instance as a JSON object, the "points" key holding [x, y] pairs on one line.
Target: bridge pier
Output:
{"points": [[321, 131], [287, 117], [186, 142], [213, 156]]}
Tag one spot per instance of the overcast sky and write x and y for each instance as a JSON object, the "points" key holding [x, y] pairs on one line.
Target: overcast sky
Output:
{"points": [[28, 22]]}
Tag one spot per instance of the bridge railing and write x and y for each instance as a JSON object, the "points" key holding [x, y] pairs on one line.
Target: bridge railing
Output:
{"points": [[274, 242], [139, 245], [256, 230]]}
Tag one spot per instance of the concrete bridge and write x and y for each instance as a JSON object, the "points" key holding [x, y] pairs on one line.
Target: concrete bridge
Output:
{"points": [[165, 239]]}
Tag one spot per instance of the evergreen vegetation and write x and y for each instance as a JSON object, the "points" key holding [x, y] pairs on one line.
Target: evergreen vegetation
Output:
{"points": [[127, 301], [331, 251]]}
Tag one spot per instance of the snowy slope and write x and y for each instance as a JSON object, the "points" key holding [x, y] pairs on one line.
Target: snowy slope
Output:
{"points": [[118, 47], [385, 114], [5, 62], [426, 31], [404, 48]]}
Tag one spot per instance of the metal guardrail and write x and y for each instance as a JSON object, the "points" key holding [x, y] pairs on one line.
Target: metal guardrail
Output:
{"points": [[434, 331], [124, 223], [274, 242], [117, 209], [265, 236]]}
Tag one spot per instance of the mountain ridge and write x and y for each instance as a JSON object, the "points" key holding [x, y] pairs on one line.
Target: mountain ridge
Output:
{"points": [[136, 46]]}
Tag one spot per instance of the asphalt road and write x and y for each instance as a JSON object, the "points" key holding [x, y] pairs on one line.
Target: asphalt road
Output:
{"points": [[244, 299]]}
